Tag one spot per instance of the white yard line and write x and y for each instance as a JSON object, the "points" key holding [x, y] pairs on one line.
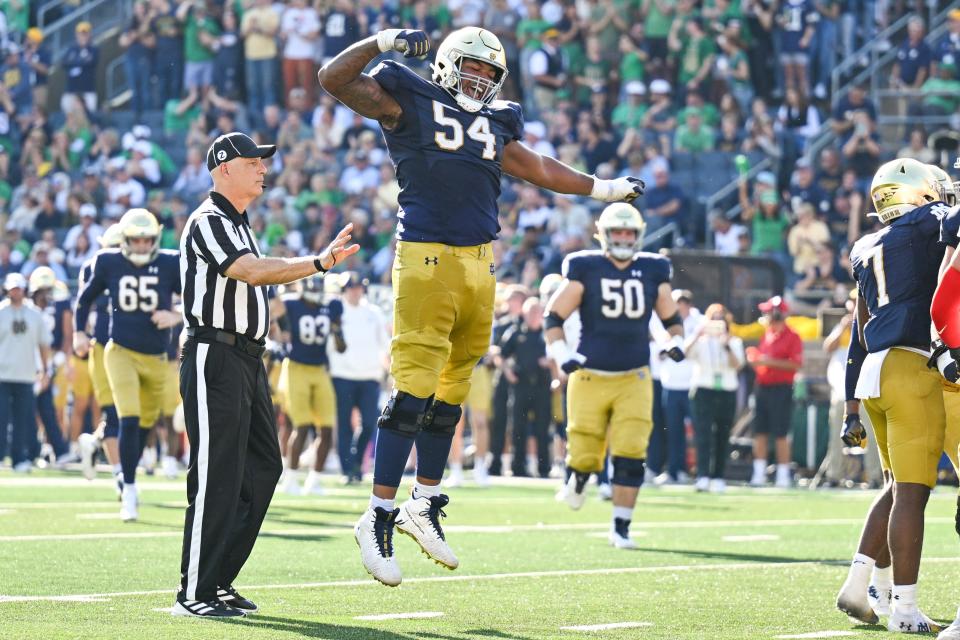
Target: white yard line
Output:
{"points": [[367, 582], [818, 634], [401, 616], [609, 625], [759, 537]]}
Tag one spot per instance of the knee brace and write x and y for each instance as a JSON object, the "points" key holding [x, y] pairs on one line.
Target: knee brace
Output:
{"points": [[442, 418], [404, 413], [628, 472]]}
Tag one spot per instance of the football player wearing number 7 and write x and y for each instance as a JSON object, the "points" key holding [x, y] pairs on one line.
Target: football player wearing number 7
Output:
{"points": [[896, 272], [141, 280], [450, 141], [609, 390]]}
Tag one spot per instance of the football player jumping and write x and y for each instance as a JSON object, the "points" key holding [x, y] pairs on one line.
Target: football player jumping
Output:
{"points": [[305, 381], [141, 280], [450, 141], [887, 370], [610, 391]]}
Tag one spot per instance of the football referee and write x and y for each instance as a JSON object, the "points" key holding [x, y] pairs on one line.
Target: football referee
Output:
{"points": [[234, 452]]}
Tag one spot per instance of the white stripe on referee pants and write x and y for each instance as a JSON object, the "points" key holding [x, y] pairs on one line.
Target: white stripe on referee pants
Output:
{"points": [[203, 460]]}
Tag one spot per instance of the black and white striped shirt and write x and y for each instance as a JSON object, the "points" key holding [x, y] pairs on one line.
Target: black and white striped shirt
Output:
{"points": [[214, 237]]}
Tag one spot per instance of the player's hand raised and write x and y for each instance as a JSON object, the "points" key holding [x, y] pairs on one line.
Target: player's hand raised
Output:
{"points": [[412, 43], [337, 250], [853, 433], [625, 189]]}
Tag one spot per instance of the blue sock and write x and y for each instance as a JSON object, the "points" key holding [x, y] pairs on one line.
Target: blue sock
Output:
{"points": [[129, 448], [432, 452], [390, 457], [112, 426]]}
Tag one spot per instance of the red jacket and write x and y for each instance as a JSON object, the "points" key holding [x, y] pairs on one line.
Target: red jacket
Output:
{"points": [[782, 345]]}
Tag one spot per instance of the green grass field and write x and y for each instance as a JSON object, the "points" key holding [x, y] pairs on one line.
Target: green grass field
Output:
{"points": [[748, 564]]}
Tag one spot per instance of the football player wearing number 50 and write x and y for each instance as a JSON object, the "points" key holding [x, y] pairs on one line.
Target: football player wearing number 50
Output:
{"points": [[450, 140], [141, 280], [610, 391]]}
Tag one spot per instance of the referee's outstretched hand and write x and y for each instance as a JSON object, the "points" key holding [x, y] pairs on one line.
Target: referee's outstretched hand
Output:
{"points": [[338, 249]]}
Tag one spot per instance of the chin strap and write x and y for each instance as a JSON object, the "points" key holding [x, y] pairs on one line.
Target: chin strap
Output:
{"points": [[945, 309]]}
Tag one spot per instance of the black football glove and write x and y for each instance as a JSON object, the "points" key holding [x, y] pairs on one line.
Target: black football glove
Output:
{"points": [[945, 361], [570, 366], [853, 434], [412, 43]]}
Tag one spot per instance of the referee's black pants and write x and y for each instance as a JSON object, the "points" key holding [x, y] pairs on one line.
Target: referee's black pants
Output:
{"points": [[234, 462]]}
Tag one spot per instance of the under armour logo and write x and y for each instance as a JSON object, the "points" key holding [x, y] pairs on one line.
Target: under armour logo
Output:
{"points": [[428, 261], [153, 270]]}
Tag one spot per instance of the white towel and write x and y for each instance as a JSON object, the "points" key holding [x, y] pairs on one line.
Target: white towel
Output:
{"points": [[868, 385]]}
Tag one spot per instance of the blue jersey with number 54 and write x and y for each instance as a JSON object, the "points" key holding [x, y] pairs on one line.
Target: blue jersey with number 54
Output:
{"points": [[135, 294], [616, 307], [447, 159], [896, 272], [309, 329]]}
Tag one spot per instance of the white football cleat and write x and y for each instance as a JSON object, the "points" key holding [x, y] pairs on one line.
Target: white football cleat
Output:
{"points": [[87, 443], [170, 468], [703, 484], [852, 600], [953, 631], [374, 535], [455, 479], [718, 485], [480, 476], [129, 503], [575, 490], [311, 485], [620, 534], [880, 599], [912, 621], [420, 519], [291, 483], [605, 490]]}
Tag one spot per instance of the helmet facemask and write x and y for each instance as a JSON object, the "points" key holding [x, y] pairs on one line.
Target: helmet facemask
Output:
{"points": [[621, 250], [140, 258], [475, 44]]}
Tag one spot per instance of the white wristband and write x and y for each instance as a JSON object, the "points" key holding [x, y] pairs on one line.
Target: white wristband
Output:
{"points": [[559, 352], [387, 38]]}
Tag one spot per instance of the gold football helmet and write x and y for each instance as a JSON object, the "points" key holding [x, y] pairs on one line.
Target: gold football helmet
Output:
{"points": [[477, 44], [135, 224], [620, 215], [112, 237], [947, 186], [42, 278], [899, 186]]}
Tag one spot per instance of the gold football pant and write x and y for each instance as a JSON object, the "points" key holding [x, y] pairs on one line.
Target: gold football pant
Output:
{"points": [[618, 408], [442, 317], [908, 418], [98, 375], [137, 381], [308, 394], [171, 391]]}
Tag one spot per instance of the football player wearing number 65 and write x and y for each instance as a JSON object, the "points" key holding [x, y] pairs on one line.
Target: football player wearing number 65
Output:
{"points": [[450, 140], [610, 390], [141, 280], [305, 384]]}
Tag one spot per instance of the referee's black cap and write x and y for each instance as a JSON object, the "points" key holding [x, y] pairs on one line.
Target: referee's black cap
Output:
{"points": [[236, 145]]}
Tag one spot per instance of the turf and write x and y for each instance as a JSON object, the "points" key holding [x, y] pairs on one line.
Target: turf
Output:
{"points": [[777, 575]]}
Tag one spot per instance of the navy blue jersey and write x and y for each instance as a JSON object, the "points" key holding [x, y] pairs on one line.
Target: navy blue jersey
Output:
{"points": [[950, 226], [135, 293], [447, 160], [309, 329], [896, 272], [101, 307], [795, 17], [57, 309], [616, 307]]}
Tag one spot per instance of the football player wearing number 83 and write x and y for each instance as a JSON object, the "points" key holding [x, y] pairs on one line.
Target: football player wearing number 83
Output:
{"points": [[610, 391], [141, 280], [450, 140]]}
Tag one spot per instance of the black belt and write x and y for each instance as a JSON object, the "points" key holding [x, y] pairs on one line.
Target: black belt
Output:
{"points": [[209, 334]]}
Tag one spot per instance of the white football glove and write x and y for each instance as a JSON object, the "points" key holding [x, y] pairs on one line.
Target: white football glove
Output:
{"points": [[410, 42], [626, 189], [566, 358]]}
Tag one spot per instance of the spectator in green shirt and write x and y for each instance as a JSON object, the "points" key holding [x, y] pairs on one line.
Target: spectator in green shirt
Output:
{"points": [[657, 19], [695, 54], [633, 57], [768, 223], [629, 114], [708, 112], [693, 135], [941, 93], [199, 42], [595, 73]]}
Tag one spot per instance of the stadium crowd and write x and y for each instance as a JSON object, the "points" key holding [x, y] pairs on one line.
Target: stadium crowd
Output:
{"points": [[613, 87]]}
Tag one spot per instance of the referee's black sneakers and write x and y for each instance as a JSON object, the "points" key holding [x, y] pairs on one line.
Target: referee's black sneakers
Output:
{"points": [[211, 609], [229, 596]]}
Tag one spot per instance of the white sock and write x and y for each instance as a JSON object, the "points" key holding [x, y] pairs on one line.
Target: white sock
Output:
{"points": [[882, 578], [456, 467], [117, 469], [383, 503], [860, 569], [783, 471], [760, 467], [129, 486], [905, 597], [624, 513], [425, 490], [479, 464]]}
